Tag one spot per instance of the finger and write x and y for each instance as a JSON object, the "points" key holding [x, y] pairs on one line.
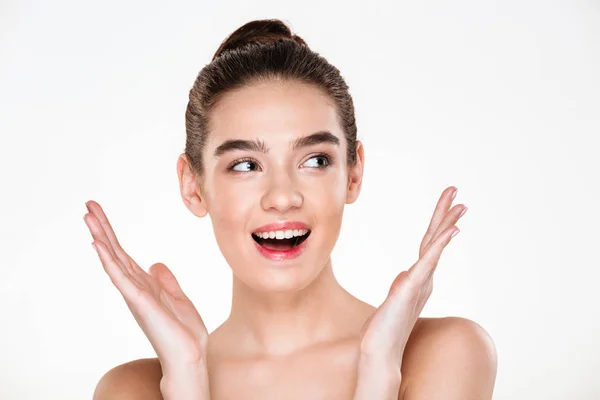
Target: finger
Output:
{"points": [[451, 219], [107, 234], [425, 266], [99, 235], [118, 274], [440, 212], [97, 231]]}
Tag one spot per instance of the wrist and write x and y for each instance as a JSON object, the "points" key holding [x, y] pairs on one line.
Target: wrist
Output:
{"points": [[184, 389], [377, 380], [185, 384]]}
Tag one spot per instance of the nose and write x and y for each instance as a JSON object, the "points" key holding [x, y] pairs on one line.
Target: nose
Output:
{"points": [[281, 194]]}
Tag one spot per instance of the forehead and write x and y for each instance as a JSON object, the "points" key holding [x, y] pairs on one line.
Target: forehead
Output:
{"points": [[273, 111]]}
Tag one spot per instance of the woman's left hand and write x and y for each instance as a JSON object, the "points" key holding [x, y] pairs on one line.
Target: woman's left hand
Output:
{"points": [[385, 334]]}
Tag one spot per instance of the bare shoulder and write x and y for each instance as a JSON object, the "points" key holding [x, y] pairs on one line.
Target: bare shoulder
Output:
{"points": [[134, 380], [449, 358]]}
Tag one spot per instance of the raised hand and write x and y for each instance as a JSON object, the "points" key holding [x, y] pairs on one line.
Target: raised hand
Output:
{"points": [[165, 314], [385, 334]]}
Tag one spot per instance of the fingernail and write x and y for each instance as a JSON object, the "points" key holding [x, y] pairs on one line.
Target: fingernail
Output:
{"points": [[454, 194], [455, 233], [463, 212], [94, 246]]}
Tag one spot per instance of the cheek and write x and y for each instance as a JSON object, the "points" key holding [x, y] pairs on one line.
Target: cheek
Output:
{"points": [[229, 206], [230, 209], [327, 199], [332, 190]]}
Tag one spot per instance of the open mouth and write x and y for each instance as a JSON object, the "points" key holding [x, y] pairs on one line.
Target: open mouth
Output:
{"points": [[277, 241]]}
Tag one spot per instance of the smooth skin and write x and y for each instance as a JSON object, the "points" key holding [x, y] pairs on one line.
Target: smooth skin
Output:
{"points": [[293, 331]]}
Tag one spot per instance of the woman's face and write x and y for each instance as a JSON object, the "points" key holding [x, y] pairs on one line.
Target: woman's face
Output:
{"points": [[276, 155]]}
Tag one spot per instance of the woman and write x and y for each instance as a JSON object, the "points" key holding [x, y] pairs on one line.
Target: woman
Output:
{"points": [[272, 156]]}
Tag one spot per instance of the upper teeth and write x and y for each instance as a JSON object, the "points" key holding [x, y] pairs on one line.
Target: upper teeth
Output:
{"points": [[281, 234]]}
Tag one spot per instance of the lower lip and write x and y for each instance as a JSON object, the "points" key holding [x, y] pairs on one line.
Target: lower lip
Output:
{"points": [[276, 255]]}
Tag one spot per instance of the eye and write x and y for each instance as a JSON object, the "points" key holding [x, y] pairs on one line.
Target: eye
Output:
{"points": [[318, 161], [243, 166]]}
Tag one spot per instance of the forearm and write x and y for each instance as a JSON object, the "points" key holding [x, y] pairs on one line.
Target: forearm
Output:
{"points": [[186, 384], [377, 381]]}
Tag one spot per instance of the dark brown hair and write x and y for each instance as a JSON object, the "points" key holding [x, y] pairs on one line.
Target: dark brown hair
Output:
{"points": [[262, 50]]}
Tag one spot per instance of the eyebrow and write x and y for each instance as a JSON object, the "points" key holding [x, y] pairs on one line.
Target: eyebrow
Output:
{"points": [[259, 145]]}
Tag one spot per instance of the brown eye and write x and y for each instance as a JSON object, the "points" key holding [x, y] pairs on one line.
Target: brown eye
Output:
{"points": [[244, 166], [318, 161]]}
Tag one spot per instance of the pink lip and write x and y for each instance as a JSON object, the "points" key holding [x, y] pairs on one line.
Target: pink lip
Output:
{"points": [[282, 226], [275, 255]]}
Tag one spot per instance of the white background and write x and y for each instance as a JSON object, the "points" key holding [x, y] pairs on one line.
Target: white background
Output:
{"points": [[499, 99]]}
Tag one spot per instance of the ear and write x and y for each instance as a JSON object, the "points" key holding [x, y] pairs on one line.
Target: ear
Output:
{"points": [[355, 174], [190, 188]]}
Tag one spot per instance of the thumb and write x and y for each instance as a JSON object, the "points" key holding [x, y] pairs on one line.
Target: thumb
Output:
{"points": [[366, 325], [167, 280], [179, 304]]}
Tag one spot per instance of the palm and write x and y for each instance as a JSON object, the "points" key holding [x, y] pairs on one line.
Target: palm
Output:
{"points": [[165, 314], [386, 333]]}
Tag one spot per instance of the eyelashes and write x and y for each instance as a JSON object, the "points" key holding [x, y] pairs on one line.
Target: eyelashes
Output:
{"points": [[325, 157], [240, 161], [253, 165]]}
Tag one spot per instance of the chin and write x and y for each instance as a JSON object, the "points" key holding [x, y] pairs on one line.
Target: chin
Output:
{"points": [[271, 273], [265, 267], [265, 277]]}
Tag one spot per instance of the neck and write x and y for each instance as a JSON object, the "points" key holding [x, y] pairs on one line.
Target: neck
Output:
{"points": [[282, 323]]}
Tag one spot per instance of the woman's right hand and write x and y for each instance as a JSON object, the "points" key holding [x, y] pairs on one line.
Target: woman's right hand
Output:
{"points": [[166, 315]]}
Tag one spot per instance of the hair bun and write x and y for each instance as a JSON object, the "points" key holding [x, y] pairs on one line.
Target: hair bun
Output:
{"points": [[259, 32]]}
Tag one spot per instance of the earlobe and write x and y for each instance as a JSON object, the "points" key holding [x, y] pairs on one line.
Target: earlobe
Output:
{"points": [[355, 174], [189, 187]]}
